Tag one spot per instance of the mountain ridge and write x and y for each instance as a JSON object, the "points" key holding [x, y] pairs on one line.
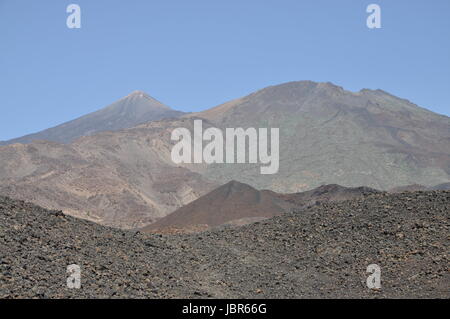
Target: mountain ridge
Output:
{"points": [[134, 109], [338, 136]]}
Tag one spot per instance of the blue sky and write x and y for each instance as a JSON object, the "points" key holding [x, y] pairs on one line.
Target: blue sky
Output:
{"points": [[196, 54]]}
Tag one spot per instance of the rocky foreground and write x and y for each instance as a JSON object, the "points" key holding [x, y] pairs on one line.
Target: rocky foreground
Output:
{"points": [[322, 252]]}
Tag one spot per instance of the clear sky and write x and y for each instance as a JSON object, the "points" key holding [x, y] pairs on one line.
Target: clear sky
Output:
{"points": [[196, 54]]}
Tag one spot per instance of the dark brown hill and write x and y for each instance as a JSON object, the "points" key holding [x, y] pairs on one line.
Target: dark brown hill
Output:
{"points": [[233, 202], [236, 204]]}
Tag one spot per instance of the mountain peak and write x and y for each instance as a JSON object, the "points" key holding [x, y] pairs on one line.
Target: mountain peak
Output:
{"points": [[235, 183], [235, 187], [138, 93], [134, 109], [231, 202], [140, 99]]}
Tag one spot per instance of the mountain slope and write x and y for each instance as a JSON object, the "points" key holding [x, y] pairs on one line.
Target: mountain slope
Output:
{"points": [[132, 110], [332, 136], [228, 203], [319, 253], [124, 179]]}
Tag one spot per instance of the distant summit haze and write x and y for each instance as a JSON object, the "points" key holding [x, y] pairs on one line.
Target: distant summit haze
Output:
{"points": [[136, 108]]}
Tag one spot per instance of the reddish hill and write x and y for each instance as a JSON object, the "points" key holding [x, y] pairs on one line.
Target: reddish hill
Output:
{"points": [[236, 203], [230, 203]]}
